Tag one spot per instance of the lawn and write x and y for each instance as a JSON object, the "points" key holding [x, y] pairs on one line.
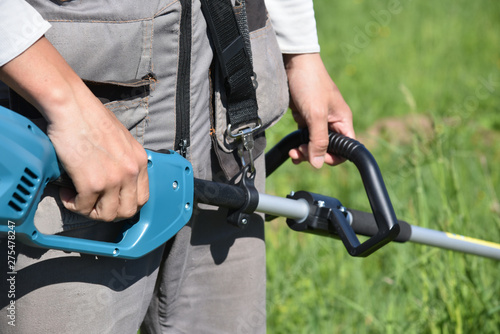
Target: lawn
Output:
{"points": [[423, 82]]}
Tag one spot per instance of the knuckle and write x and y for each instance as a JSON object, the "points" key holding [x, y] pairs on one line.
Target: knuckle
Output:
{"points": [[95, 185], [127, 212], [107, 217], [139, 157], [84, 211], [143, 198], [130, 168], [317, 114], [143, 156], [107, 213], [84, 204], [320, 143], [105, 209]]}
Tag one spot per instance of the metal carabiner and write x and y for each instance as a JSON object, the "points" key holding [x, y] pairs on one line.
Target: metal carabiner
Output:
{"points": [[246, 142]]}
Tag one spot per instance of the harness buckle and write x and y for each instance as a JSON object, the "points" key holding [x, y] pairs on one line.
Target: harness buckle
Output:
{"points": [[246, 142]]}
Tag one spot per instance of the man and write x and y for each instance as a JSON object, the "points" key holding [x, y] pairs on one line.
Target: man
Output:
{"points": [[142, 61]]}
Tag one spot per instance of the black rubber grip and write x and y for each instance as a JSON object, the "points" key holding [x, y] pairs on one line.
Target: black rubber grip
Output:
{"points": [[277, 155], [219, 194], [363, 223]]}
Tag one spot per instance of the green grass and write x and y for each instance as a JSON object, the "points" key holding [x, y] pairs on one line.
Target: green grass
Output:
{"points": [[440, 60]]}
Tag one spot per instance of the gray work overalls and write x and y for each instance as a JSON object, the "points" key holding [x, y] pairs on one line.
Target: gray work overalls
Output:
{"points": [[141, 58]]}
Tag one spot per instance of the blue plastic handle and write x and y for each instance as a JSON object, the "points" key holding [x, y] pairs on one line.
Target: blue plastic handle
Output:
{"points": [[28, 162]]}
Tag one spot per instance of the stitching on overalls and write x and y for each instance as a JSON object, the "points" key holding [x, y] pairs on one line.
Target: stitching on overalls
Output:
{"points": [[165, 7], [119, 21], [177, 67], [151, 47]]}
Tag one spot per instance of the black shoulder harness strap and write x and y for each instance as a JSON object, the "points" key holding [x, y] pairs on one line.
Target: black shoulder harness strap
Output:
{"points": [[235, 61]]}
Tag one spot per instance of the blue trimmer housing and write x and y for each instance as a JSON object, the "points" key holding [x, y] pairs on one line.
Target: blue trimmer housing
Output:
{"points": [[28, 162]]}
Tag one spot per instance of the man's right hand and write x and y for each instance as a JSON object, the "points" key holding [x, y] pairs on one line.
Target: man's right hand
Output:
{"points": [[106, 164]]}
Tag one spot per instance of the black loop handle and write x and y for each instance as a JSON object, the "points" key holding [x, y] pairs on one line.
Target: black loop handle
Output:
{"points": [[387, 223], [354, 151]]}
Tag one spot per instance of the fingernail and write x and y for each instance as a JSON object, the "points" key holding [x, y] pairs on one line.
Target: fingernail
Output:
{"points": [[318, 161]]}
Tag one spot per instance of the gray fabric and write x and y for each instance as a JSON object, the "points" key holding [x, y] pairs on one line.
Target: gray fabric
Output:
{"points": [[212, 275], [217, 283], [57, 292]]}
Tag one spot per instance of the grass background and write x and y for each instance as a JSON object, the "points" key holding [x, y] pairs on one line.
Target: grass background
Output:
{"points": [[423, 81]]}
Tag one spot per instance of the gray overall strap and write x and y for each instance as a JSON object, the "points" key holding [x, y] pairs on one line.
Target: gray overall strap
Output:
{"points": [[235, 62]]}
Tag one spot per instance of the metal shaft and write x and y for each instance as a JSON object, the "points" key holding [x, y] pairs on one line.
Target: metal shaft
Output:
{"points": [[454, 242], [283, 207]]}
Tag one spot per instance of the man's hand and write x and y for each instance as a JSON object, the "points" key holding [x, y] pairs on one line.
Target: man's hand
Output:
{"points": [[107, 165], [317, 104]]}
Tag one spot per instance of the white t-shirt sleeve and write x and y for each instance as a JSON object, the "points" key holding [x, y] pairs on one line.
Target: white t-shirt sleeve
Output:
{"points": [[295, 25], [20, 26]]}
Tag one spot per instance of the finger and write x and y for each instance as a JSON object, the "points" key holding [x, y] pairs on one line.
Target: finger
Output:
{"points": [[95, 201], [133, 195], [333, 160], [343, 128], [295, 154], [128, 205], [134, 191], [107, 206], [143, 181], [298, 154], [340, 119], [342, 125], [67, 196], [78, 202], [318, 139]]}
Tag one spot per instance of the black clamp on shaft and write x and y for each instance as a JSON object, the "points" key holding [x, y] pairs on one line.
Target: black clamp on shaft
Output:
{"points": [[327, 217], [240, 217]]}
